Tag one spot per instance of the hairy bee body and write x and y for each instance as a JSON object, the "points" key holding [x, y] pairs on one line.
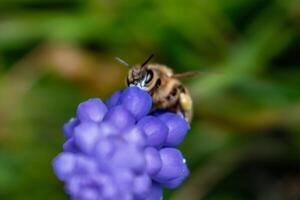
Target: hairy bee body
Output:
{"points": [[167, 92]]}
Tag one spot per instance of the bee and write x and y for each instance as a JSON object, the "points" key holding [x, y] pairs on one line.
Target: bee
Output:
{"points": [[167, 92]]}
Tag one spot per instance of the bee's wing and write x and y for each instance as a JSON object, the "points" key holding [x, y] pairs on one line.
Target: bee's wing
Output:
{"points": [[190, 74]]}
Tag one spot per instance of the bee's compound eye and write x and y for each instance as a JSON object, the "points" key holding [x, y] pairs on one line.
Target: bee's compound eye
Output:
{"points": [[149, 76]]}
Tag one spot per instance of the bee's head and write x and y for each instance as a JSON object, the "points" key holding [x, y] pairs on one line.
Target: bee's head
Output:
{"points": [[141, 76]]}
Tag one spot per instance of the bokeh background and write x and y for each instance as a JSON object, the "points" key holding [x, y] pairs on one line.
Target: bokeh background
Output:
{"points": [[245, 138]]}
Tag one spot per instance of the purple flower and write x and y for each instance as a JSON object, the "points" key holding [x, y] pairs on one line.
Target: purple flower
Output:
{"points": [[118, 150], [155, 130], [178, 127], [92, 110]]}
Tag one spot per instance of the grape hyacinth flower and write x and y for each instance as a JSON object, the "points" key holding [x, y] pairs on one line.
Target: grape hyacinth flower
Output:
{"points": [[119, 150]]}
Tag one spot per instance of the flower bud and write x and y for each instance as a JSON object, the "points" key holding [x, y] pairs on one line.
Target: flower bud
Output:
{"points": [[92, 110]]}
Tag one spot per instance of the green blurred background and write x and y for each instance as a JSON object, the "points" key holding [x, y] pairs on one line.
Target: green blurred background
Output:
{"points": [[245, 137]]}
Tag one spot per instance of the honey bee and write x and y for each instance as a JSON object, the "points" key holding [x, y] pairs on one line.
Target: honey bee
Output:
{"points": [[167, 92]]}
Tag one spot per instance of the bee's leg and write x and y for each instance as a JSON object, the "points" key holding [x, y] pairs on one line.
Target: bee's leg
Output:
{"points": [[186, 105], [188, 115]]}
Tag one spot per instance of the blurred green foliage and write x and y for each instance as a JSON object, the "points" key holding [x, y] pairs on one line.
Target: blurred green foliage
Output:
{"points": [[245, 137]]}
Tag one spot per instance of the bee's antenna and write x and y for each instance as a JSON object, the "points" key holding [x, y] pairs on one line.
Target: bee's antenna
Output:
{"points": [[147, 60], [122, 61]]}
